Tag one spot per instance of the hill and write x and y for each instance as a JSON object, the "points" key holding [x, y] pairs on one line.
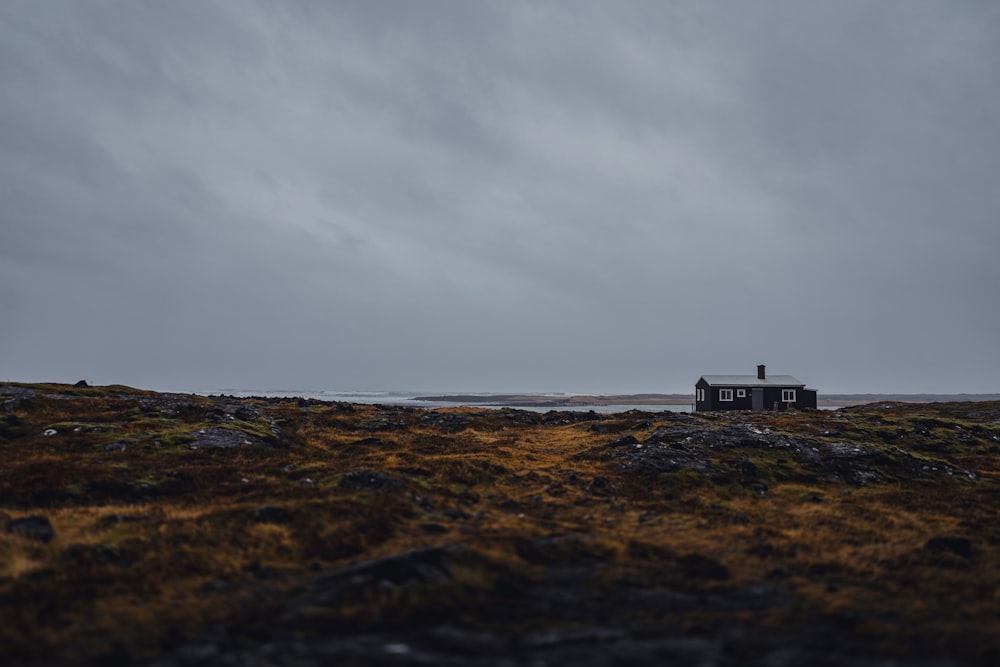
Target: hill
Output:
{"points": [[171, 529]]}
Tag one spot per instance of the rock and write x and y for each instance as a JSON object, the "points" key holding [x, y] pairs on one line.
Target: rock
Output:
{"points": [[271, 514], [81, 383], [217, 416], [448, 421], [116, 447], [260, 571], [224, 438], [703, 567], [12, 420], [247, 414], [360, 480], [433, 528], [847, 461], [654, 456], [748, 468], [959, 546], [600, 486], [425, 566], [49, 432], [35, 527]]}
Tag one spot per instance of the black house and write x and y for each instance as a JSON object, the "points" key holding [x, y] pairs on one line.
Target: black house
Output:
{"points": [[749, 392]]}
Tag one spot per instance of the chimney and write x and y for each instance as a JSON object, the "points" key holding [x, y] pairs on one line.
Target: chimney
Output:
{"points": [[760, 372]]}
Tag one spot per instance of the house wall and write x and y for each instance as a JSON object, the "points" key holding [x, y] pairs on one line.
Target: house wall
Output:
{"points": [[807, 399], [738, 403], [804, 398], [701, 406]]}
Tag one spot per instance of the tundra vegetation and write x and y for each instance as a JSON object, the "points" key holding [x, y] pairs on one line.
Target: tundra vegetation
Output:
{"points": [[173, 529]]}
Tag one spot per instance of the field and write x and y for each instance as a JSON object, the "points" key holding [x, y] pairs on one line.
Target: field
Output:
{"points": [[168, 529]]}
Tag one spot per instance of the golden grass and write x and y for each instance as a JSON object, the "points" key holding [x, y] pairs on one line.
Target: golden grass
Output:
{"points": [[154, 542]]}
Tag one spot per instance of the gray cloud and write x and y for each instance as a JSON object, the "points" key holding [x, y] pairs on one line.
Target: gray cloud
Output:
{"points": [[499, 196]]}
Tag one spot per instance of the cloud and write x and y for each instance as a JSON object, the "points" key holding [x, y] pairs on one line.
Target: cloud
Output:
{"points": [[499, 196]]}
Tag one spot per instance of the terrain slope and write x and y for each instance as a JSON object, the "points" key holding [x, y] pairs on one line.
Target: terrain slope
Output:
{"points": [[170, 530]]}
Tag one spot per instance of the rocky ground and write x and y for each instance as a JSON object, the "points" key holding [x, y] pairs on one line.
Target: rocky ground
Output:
{"points": [[170, 530]]}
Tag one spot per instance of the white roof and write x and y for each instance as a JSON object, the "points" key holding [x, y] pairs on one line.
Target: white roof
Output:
{"points": [[752, 381]]}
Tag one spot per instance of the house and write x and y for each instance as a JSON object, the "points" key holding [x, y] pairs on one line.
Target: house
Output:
{"points": [[752, 392]]}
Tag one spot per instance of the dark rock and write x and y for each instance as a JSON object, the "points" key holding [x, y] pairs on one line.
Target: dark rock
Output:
{"points": [[433, 528], [748, 468], [959, 546], [562, 417], [448, 421], [622, 442], [95, 554], [261, 571], [81, 383], [384, 424], [600, 486], [271, 514], [217, 416], [35, 527], [247, 414], [12, 420], [845, 461], [224, 438], [425, 566], [360, 480], [703, 567], [656, 456], [116, 447], [598, 427], [560, 550]]}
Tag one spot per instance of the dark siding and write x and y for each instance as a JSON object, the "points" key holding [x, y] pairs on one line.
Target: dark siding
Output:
{"points": [[807, 399], [737, 403], [701, 406], [804, 398]]}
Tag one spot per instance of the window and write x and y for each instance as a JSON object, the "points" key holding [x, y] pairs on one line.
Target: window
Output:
{"points": [[741, 393], [725, 394], [701, 395], [788, 395]]}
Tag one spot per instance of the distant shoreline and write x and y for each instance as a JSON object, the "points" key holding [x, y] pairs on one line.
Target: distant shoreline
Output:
{"points": [[562, 401]]}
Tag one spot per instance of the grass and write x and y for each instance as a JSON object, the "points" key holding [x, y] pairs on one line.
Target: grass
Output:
{"points": [[156, 542]]}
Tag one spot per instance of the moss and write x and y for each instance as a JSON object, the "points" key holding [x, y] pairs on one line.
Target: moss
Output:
{"points": [[518, 495]]}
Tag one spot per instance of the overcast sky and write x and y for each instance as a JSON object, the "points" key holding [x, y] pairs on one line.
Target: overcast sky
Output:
{"points": [[500, 196]]}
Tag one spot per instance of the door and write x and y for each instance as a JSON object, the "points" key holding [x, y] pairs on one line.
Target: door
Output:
{"points": [[757, 398]]}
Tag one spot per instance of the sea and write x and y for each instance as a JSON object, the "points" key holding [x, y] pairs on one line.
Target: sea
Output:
{"points": [[408, 399]]}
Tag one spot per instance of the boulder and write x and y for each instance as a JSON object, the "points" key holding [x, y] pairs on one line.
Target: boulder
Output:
{"points": [[247, 414], [35, 527], [224, 438], [360, 480], [960, 546], [271, 514]]}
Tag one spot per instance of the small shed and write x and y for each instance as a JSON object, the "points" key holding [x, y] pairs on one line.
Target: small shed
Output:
{"points": [[752, 392]]}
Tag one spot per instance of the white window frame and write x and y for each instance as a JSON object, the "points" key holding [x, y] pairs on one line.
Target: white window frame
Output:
{"points": [[788, 395], [701, 395], [741, 393], [725, 394]]}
